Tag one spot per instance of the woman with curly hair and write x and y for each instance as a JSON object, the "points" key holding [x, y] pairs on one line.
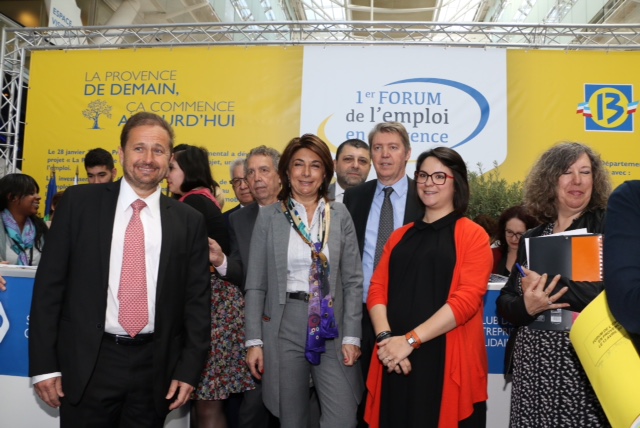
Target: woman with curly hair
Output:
{"points": [[567, 189]]}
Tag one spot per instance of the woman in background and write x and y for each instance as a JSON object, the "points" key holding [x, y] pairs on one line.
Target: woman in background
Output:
{"points": [[567, 189], [512, 224], [425, 303], [225, 372], [22, 234]]}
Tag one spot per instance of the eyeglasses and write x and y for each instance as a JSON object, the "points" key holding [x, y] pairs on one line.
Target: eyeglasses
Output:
{"points": [[237, 181], [437, 177], [511, 234]]}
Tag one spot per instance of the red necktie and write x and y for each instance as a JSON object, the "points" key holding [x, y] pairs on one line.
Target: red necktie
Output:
{"points": [[132, 294]]}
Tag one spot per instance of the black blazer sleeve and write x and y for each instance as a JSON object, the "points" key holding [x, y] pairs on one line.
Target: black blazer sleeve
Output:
{"points": [[235, 267], [621, 255], [213, 218]]}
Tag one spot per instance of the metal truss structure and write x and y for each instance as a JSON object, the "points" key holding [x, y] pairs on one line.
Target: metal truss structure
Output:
{"points": [[18, 43]]}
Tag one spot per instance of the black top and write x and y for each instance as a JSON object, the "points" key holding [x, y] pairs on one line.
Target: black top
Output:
{"points": [[216, 228], [510, 303], [420, 272]]}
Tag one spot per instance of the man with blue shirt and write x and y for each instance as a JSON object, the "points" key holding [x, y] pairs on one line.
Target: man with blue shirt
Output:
{"points": [[378, 207]]}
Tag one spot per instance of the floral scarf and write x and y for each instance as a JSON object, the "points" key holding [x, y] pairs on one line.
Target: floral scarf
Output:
{"points": [[321, 322], [20, 241]]}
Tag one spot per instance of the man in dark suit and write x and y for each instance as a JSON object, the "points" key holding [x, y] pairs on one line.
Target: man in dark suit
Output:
{"points": [[261, 175], [390, 151], [115, 344], [240, 188]]}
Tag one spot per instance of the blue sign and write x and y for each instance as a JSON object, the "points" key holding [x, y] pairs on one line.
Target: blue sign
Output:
{"points": [[496, 331], [15, 305]]}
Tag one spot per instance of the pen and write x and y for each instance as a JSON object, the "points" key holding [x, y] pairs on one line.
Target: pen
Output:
{"points": [[517, 265]]}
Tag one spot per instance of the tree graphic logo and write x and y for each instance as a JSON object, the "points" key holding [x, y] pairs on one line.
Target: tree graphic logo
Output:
{"points": [[95, 109]]}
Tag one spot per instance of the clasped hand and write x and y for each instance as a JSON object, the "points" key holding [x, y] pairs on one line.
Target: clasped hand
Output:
{"points": [[393, 353], [537, 297]]}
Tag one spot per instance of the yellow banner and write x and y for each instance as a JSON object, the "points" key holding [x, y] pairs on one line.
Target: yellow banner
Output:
{"points": [[227, 99], [545, 91]]}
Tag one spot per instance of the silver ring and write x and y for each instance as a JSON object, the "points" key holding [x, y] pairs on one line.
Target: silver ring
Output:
{"points": [[550, 302]]}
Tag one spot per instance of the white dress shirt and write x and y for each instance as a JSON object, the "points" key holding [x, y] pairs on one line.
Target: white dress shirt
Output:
{"points": [[150, 217], [339, 196]]}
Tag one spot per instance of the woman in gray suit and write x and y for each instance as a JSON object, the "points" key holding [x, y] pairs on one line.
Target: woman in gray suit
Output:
{"points": [[304, 294]]}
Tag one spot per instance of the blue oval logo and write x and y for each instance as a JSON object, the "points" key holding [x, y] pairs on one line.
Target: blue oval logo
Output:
{"points": [[482, 102]]}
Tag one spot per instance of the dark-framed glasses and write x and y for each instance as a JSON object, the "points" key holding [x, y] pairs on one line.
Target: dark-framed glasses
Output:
{"points": [[237, 181], [511, 234], [437, 177]]}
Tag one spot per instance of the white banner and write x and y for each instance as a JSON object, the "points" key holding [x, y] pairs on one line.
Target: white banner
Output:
{"points": [[445, 97]]}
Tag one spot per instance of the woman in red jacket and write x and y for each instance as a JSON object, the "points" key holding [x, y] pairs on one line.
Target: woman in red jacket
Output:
{"points": [[425, 302]]}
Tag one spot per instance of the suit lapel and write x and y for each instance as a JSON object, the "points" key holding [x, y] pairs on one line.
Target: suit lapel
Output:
{"points": [[281, 233], [167, 240], [369, 192], [335, 241], [106, 217], [412, 211]]}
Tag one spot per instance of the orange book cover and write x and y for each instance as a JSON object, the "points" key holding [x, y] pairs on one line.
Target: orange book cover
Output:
{"points": [[586, 261], [577, 257]]}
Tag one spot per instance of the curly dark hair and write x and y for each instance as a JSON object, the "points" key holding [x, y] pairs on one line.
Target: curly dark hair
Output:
{"points": [[540, 185]]}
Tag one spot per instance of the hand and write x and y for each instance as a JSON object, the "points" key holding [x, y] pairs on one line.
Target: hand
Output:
{"points": [[403, 366], [216, 256], [537, 298], [50, 391], [3, 282], [183, 391], [255, 361], [351, 354], [393, 351]]}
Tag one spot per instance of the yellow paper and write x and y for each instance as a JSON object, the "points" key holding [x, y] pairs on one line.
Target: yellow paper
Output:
{"points": [[611, 362]]}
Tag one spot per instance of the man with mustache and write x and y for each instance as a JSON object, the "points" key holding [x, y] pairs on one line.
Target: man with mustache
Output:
{"points": [[352, 164], [120, 317], [260, 173]]}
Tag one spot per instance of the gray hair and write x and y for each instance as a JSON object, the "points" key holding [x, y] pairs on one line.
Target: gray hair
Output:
{"points": [[234, 164], [392, 128], [264, 151]]}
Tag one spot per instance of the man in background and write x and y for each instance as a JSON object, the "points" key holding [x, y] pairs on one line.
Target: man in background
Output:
{"points": [[240, 188], [352, 165], [378, 207], [261, 174], [99, 165]]}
